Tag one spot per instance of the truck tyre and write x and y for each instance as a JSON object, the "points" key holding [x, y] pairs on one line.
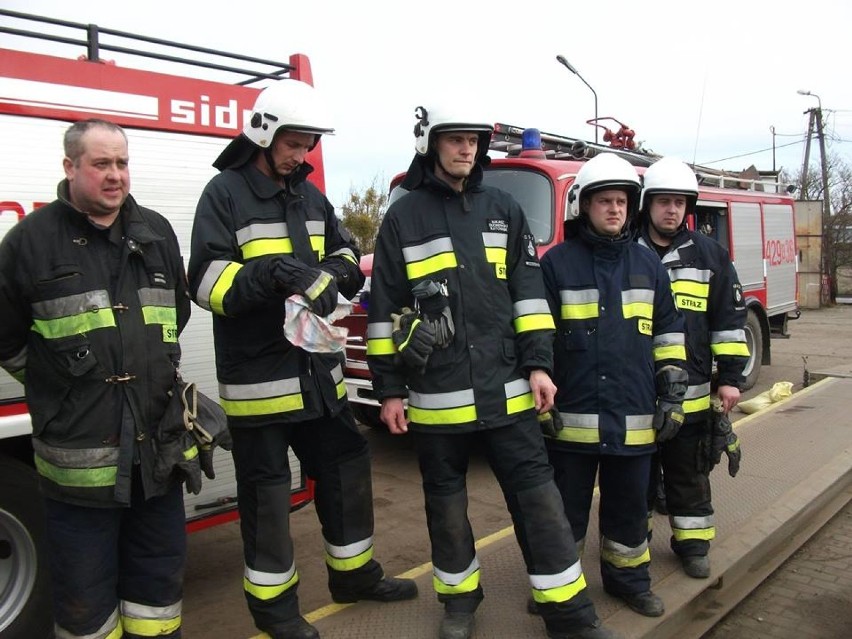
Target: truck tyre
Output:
{"points": [[754, 339], [25, 601]]}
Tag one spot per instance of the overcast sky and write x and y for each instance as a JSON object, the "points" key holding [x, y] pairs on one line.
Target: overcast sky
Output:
{"points": [[703, 81]]}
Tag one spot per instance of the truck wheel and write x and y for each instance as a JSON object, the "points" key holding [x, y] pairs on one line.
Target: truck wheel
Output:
{"points": [[367, 415], [754, 339], [25, 601]]}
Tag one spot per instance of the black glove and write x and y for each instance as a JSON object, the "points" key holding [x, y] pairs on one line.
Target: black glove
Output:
{"points": [[317, 285], [671, 382], [178, 459], [347, 275], [413, 338], [667, 420], [550, 423], [725, 440], [435, 308]]}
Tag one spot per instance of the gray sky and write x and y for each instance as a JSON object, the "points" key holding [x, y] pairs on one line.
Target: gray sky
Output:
{"points": [[703, 84]]}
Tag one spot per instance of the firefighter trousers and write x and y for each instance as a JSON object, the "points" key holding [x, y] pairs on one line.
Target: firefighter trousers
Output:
{"points": [[334, 454], [517, 456], [688, 495], [623, 515], [118, 568]]}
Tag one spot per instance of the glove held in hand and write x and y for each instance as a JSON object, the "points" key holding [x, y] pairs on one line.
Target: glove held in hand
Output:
{"points": [[413, 338]]}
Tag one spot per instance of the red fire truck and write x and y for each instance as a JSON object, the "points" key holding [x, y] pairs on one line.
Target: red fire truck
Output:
{"points": [[176, 126], [752, 218]]}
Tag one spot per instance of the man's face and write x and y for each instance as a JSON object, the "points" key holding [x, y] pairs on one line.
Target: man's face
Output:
{"points": [[667, 211], [607, 211], [289, 149], [456, 151], [99, 180]]}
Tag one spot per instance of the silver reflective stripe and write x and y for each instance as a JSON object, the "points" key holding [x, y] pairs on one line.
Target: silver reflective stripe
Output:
{"points": [[586, 296], [674, 256], [17, 362], [692, 523], [669, 339], [211, 276], [638, 422], [349, 550], [261, 578], [633, 295], [692, 274], [567, 576], [337, 374], [260, 390], [433, 401], [579, 420], [516, 387], [76, 457], [700, 390], [623, 551], [455, 578], [379, 330], [262, 231], [101, 633], [315, 227], [495, 239], [737, 335], [428, 249], [71, 305], [141, 611], [530, 307], [157, 297], [345, 252]]}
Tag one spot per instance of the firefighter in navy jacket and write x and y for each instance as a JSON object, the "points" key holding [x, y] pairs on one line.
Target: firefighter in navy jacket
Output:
{"points": [[92, 299], [617, 364], [456, 275], [708, 293], [262, 232]]}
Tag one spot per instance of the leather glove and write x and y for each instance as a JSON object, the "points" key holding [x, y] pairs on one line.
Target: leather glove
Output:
{"points": [[667, 420], [550, 423], [413, 338], [435, 308], [320, 289], [725, 440], [178, 459]]}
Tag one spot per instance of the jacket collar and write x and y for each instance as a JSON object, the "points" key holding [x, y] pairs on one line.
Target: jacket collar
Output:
{"points": [[266, 188]]}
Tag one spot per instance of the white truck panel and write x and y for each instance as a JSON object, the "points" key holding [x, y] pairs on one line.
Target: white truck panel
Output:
{"points": [[747, 245], [781, 258]]}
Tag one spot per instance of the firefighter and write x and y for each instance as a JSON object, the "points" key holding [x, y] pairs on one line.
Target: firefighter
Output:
{"points": [[708, 293], [618, 359], [92, 299], [262, 233], [459, 326]]}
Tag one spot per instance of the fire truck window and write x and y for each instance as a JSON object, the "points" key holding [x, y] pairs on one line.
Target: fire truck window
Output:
{"points": [[713, 222], [533, 192]]}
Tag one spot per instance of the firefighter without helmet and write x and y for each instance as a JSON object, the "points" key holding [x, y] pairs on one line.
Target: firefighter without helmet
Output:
{"points": [[287, 104], [605, 171], [669, 175], [433, 121]]}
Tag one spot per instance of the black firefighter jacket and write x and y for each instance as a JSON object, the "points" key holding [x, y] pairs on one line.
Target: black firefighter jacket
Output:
{"points": [[478, 244], [243, 221], [708, 293], [92, 317], [616, 326]]}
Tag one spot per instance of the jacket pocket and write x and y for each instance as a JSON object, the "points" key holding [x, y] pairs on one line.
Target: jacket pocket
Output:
{"points": [[573, 339]]}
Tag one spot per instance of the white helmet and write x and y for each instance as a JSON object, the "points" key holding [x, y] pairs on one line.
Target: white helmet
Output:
{"points": [[669, 175], [287, 104], [432, 121], [605, 171]]}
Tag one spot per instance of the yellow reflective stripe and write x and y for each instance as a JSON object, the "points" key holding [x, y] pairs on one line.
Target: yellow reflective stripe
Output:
{"points": [[318, 245], [469, 584], [579, 311], [519, 403], [383, 346], [639, 437], [266, 593], [669, 352], [74, 324], [696, 405], [693, 289], [190, 453], [341, 389], [222, 286], [730, 348], [441, 416], [77, 477], [638, 309], [706, 534], [150, 627], [349, 563], [495, 255], [266, 246], [534, 323], [430, 265], [579, 435], [620, 561], [560, 593], [268, 406], [159, 315]]}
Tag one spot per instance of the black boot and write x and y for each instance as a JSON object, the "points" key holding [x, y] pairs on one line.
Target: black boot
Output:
{"points": [[696, 566], [386, 589], [296, 628], [645, 603], [456, 625], [595, 631]]}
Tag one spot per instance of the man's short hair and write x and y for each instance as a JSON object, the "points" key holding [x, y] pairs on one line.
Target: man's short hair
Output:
{"points": [[73, 141]]}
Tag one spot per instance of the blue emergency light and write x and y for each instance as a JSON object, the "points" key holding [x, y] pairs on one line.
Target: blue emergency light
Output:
{"points": [[531, 144]]}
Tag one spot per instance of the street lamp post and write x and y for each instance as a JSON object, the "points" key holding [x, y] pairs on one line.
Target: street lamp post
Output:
{"points": [[561, 60]]}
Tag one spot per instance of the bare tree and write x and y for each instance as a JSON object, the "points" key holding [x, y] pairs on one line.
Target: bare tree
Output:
{"points": [[363, 213]]}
